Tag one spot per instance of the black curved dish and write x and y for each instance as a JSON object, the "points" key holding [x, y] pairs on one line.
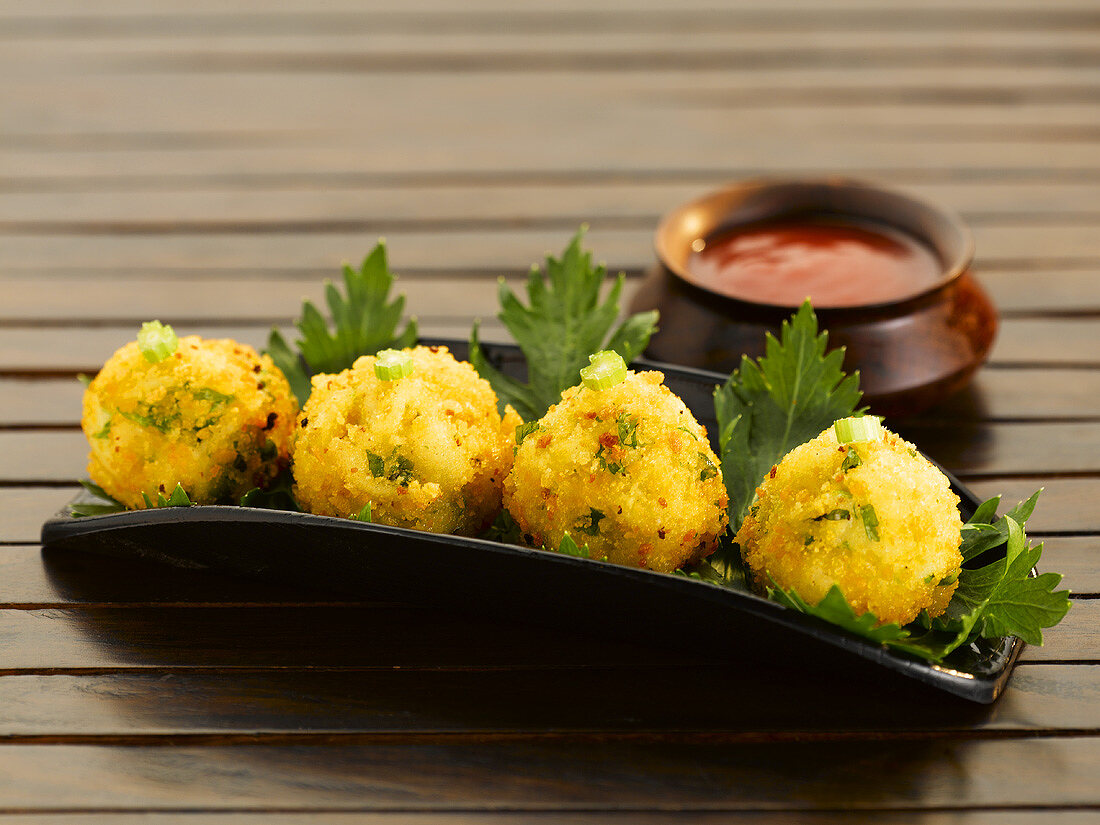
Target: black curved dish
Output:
{"points": [[522, 584]]}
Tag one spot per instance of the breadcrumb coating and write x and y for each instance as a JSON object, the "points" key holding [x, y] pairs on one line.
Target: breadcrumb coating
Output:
{"points": [[874, 517], [627, 471], [428, 451], [214, 417]]}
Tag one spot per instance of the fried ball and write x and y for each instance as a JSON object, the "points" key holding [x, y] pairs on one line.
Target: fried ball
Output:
{"points": [[627, 471], [428, 451], [213, 416], [874, 517]]}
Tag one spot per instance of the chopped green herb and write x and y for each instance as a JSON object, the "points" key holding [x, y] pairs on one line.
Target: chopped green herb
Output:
{"points": [[401, 471], [614, 467], [562, 325], [213, 396], [376, 465], [364, 514], [851, 460], [709, 471], [870, 521], [628, 429], [591, 525]]}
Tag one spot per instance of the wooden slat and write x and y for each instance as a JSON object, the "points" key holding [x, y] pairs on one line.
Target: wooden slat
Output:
{"points": [[36, 350], [339, 636], [553, 775], [1061, 246], [220, 11], [613, 146], [508, 205], [1065, 506], [994, 816], [367, 635], [258, 295], [727, 703]]}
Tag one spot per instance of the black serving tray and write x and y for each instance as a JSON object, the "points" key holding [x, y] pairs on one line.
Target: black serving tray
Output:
{"points": [[522, 584]]}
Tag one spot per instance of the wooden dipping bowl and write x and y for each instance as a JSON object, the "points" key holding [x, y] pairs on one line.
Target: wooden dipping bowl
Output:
{"points": [[911, 352]]}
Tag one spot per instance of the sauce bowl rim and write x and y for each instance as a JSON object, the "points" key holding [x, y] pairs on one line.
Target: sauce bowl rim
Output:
{"points": [[666, 242]]}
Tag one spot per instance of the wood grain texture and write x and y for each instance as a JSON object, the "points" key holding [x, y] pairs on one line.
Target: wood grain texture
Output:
{"points": [[348, 636], [209, 162], [386, 705], [554, 776]]}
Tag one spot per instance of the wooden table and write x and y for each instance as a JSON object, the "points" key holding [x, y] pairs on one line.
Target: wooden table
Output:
{"points": [[208, 162]]}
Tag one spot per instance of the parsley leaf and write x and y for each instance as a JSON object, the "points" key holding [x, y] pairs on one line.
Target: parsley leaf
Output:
{"points": [[178, 498], [834, 608], [770, 406], [563, 324], [362, 323], [110, 504]]}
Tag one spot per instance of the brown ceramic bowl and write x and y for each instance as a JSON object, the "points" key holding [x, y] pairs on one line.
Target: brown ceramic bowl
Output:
{"points": [[911, 352]]}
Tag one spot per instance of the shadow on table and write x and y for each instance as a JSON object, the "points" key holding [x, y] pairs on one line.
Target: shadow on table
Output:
{"points": [[258, 656]]}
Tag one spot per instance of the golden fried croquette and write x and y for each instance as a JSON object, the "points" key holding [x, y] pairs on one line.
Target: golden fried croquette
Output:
{"points": [[428, 451], [874, 517], [213, 416], [626, 470]]}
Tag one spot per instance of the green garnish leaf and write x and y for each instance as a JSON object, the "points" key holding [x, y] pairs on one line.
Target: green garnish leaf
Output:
{"points": [[568, 547], [562, 325], [178, 498], [392, 364], [605, 370], [376, 464], [835, 608], [362, 323], [279, 495], [157, 341], [364, 514], [770, 406], [524, 430], [109, 505]]}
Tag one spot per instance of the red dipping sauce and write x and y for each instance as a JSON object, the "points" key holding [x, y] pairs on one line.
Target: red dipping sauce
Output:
{"points": [[833, 262]]}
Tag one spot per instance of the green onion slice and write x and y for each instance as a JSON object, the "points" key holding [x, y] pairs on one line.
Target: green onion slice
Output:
{"points": [[870, 521], [392, 364], [858, 428], [157, 341], [606, 369]]}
